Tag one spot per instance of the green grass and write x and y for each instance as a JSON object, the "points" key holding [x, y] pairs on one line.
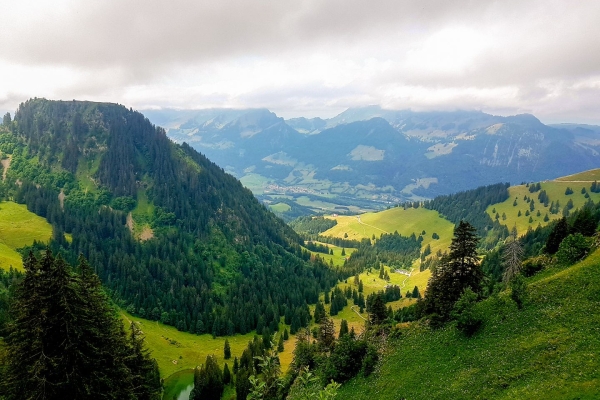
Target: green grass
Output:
{"points": [[554, 189], [590, 176], [178, 351], [406, 222], [548, 350], [280, 207], [85, 170], [337, 257], [19, 228], [255, 182]]}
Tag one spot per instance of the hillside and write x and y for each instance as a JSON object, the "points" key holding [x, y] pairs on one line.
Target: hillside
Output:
{"points": [[19, 228], [547, 350], [172, 236], [367, 158]]}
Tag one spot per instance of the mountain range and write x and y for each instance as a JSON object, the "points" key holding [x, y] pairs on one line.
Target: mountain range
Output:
{"points": [[369, 157]]}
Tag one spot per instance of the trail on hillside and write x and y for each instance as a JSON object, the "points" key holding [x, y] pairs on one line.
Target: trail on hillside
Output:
{"points": [[362, 223], [5, 166], [357, 313]]}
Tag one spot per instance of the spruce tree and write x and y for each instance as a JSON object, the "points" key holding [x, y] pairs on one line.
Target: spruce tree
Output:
{"points": [[66, 341], [208, 381], [226, 375], [280, 344], [458, 270], [343, 328], [512, 256], [558, 233], [226, 350]]}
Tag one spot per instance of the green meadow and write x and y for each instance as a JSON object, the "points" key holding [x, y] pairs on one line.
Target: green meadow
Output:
{"points": [[337, 257], [176, 351], [556, 192], [406, 222], [18, 228]]}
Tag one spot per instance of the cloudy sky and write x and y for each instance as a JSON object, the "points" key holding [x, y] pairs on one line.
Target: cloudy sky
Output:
{"points": [[307, 57]]}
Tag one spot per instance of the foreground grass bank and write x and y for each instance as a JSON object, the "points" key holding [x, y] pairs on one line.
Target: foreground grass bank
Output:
{"points": [[547, 350]]}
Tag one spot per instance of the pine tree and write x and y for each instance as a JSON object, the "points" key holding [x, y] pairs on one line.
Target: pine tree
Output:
{"points": [[236, 365], [343, 328], [415, 293], [226, 350], [326, 336], [67, 341], [145, 376], [280, 344], [226, 375], [558, 233], [457, 270], [512, 256], [208, 381], [286, 335], [377, 312]]}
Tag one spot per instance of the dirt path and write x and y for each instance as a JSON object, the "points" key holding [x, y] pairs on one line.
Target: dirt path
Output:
{"points": [[357, 313], [61, 199], [130, 222], [371, 226], [576, 181], [5, 166], [407, 278]]}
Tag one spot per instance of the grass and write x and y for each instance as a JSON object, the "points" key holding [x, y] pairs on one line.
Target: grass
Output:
{"points": [[255, 182], [547, 350], [280, 207], [406, 222], [85, 170], [19, 228], [176, 351], [590, 176], [556, 192], [337, 257], [142, 214]]}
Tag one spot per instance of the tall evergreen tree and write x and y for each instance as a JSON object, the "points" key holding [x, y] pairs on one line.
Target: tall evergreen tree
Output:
{"points": [[512, 256], [458, 270], [208, 381], [558, 233], [226, 350], [66, 341]]}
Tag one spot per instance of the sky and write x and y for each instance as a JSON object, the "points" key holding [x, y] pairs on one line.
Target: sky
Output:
{"points": [[307, 57]]}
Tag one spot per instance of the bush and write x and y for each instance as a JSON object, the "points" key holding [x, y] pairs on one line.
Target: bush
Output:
{"points": [[519, 290], [573, 248], [468, 320]]}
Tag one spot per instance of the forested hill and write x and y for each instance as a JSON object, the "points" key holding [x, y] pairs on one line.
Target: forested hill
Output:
{"points": [[173, 237]]}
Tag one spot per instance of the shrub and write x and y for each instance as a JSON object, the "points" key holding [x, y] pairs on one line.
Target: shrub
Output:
{"points": [[467, 319], [573, 248]]}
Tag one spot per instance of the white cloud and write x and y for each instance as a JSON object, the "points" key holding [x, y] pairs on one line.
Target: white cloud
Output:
{"points": [[307, 57]]}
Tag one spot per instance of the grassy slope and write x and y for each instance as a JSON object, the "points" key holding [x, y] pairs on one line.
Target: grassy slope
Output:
{"points": [[555, 190], [18, 228], [406, 222], [338, 258], [548, 350], [193, 349]]}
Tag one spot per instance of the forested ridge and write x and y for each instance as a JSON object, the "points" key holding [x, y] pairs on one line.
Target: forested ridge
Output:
{"points": [[218, 261]]}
